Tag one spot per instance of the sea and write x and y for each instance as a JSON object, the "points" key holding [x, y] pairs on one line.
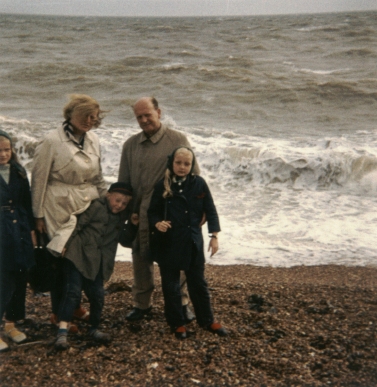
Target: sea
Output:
{"points": [[281, 112]]}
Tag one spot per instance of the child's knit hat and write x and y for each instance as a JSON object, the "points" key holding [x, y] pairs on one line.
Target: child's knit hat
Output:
{"points": [[6, 135], [123, 188]]}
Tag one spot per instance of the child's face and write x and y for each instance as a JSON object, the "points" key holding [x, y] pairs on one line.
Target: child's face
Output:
{"points": [[182, 163], [117, 201], [5, 151]]}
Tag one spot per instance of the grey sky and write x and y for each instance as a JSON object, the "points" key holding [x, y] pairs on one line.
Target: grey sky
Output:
{"points": [[181, 7]]}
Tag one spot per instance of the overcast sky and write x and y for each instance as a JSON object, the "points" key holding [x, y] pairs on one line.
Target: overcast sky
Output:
{"points": [[181, 7]]}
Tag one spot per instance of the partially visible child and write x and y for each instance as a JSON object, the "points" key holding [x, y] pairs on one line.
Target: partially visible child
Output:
{"points": [[89, 256], [17, 237], [176, 208]]}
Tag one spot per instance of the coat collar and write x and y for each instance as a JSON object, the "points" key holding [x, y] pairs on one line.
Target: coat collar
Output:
{"points": [[63, 137], [156, 137]]}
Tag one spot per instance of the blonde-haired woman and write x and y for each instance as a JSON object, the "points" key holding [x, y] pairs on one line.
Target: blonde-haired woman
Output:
{"points": [[67, 176]]}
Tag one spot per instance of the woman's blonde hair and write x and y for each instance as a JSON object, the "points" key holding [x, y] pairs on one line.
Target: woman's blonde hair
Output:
{"points": [[84, 106]]}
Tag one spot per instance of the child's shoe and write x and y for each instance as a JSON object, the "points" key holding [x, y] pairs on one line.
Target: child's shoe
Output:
{"points": [[180, 332], [217, 329], [81, 314], [72, 328], [100, 337], [14, 334], [61, 342], [3, 346]]}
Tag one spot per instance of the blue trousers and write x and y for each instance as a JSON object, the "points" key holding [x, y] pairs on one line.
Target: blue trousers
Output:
{"points": [[198, 292], [74, 283]]}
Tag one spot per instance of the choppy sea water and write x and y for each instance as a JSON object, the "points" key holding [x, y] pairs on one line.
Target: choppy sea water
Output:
{"points": [[281, 112]]}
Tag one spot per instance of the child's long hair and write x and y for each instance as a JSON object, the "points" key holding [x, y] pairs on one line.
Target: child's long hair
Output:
{"points": [[169, 170]]}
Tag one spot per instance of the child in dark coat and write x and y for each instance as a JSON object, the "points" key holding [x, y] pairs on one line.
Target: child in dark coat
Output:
{"points": [[17, 237], [89, 258], [176, 208]]}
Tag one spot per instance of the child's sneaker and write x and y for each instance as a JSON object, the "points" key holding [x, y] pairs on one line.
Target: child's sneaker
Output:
{"points": [[14, 334], [100, 337], [81, 314], [61, 342], [3, 346]]}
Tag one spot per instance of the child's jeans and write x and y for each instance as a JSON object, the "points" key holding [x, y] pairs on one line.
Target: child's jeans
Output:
{"points": [[74, 283]]}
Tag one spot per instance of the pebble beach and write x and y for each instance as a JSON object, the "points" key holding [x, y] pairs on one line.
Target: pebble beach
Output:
{"points": [[297, 326]]}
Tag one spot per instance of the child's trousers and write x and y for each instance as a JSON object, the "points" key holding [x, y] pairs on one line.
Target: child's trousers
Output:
{"points": [[74, 283], [13, 294], [198, 292]]}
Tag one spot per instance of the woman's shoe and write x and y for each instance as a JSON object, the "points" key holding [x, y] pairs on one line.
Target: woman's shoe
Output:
{"points": [[217, 329], [180, 332]]}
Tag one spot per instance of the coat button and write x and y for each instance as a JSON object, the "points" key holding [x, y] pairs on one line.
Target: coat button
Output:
{"points": [[85, 181], [86, 198], [14, 221], [11, 211], [10, 201]]}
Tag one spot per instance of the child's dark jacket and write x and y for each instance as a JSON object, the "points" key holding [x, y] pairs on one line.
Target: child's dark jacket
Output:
{"points": [[185, 211], [94, 241], [17, 221]]}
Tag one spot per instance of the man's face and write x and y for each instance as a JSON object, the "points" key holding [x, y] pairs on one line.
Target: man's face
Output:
{"points": [[147, 116]]}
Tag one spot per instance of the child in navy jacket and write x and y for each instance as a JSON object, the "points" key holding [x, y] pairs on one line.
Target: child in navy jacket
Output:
{"points": [[175, 213]]}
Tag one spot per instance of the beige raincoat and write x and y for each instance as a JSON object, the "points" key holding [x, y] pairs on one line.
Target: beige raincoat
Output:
{"points": [[65, 179]]}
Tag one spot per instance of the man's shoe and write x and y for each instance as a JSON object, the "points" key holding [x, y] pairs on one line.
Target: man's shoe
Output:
{"points": [[180, 332], [137, 314], [188, 314], [217, 329]]}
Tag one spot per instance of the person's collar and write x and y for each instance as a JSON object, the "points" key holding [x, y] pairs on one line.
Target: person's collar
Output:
{"points": [[156, 137]]}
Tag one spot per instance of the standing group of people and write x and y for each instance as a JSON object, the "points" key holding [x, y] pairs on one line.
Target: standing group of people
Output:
{"points": [[158, 191]]}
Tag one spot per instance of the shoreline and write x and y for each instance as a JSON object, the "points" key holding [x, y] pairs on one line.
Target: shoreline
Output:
{"points": [[303, 326]]}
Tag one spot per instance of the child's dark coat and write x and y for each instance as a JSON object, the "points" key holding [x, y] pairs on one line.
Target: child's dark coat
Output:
{"points": [[17, 221], [185, 211], [95, 238]]}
